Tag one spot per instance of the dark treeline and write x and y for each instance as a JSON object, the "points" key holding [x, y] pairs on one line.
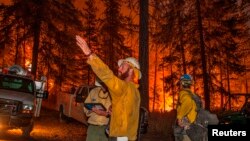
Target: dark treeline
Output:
{"points": [[208, 39]]}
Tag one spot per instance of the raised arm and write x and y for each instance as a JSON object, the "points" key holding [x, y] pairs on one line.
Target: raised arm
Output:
{"points": [[83, 45], [101, 69]]}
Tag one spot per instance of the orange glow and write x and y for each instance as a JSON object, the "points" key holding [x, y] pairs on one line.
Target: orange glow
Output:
{"points": [[44, 132], [27, 63], [41, 131], [15, 131], [164, 100], [50, 84], [215, 98], [168, 103]]}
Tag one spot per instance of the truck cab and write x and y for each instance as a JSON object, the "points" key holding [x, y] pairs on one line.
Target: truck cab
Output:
{"points": [[18, 95], [239, 117], [70, 104]]}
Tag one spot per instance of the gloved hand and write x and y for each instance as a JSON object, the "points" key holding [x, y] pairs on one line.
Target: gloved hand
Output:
{"points": [[83, 45], [183, 124], [99, 112]]}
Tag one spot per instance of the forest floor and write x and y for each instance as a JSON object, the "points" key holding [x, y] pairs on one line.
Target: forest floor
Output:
{"points": [[48, 128]]}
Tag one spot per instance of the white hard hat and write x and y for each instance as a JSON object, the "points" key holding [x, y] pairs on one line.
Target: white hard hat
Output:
{"points": [[132, 61]]}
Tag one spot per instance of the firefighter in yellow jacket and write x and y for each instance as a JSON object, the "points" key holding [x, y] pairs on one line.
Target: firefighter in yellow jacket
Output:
{"points": [[123, 90], [186, 108]]}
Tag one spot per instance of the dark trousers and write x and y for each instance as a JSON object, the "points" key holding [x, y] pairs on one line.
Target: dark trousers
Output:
{"points": [[112, 139]]}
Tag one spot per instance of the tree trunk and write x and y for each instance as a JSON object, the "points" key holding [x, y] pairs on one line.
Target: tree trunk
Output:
{"points": [[221, 87], [203, 57], [181, 45], [163, 87], [228, 83], [171, 73], [155, 78], [37, 29], [23, 51], [17, 51], [24, 56], [2, 53], [143, 53]]}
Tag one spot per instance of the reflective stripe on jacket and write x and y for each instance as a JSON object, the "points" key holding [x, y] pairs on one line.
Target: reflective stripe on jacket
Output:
{"points": [[125, 100]]}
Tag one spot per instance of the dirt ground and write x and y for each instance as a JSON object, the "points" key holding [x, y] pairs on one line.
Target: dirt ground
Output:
{"points": [[48, 128]]}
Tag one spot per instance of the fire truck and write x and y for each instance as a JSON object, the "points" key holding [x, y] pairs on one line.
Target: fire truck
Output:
{"points": [[20, 99]]}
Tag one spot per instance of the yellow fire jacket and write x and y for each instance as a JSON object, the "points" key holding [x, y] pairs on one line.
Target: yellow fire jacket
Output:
{"points": [[186, 106], [96, 95], [125, 100]]}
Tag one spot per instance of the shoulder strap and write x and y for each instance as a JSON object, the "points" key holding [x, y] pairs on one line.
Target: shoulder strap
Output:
{"points": [[196, 98]]}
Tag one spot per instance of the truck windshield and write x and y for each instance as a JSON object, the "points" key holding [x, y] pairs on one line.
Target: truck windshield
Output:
{"points": [[19, 84]]}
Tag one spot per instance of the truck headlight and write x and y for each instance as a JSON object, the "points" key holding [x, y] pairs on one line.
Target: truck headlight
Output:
{"points": [[27, 108]]}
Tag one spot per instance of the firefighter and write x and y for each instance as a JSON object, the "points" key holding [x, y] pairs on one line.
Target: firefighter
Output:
{"points": [[98, 119], [187, 129], [123, 90]]}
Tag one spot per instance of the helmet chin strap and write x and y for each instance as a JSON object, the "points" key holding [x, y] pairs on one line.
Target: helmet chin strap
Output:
{"points": [[182, 83], [186, 83]]}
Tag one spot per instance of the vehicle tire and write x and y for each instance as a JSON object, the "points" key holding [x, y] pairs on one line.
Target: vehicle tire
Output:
{"points": [[27, 130], [61, 114]]}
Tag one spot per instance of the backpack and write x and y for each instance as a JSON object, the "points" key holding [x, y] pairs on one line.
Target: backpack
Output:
{"points": [[143, 123], [204, 117], [143, 120]]}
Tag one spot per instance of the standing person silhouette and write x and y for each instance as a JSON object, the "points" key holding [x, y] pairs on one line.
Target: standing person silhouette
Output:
{"points": [[98, 119], [188, 129], [123, 90]]}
